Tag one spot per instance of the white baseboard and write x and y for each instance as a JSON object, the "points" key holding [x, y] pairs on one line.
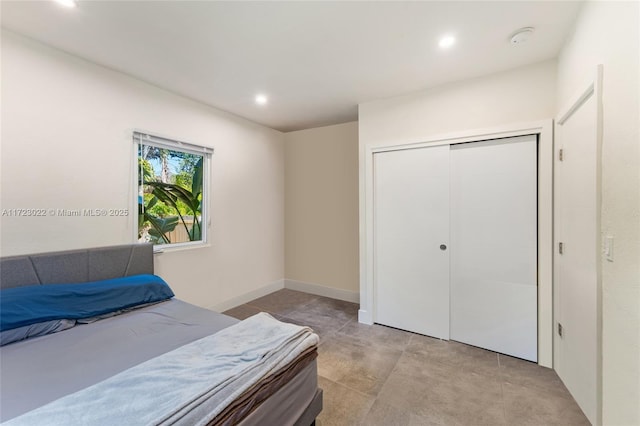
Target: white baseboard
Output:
{"points": [[247, 297], [320, 290], [317, 289], [364, 317]]}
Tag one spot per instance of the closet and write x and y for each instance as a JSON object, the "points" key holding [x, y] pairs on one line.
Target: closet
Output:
{"points": [[455, 242]]}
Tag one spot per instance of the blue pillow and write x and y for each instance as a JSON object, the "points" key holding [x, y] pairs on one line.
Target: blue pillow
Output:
{"points": [[21, 306], [35, 330]]}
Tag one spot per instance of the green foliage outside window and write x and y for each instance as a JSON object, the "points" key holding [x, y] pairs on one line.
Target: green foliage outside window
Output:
{"points": [[170, 190]]}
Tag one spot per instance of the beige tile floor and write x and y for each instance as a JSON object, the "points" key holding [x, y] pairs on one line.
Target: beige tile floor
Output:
{"points": [[376, 375]]}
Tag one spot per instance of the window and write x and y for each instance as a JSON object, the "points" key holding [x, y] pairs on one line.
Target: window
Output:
{"points": [[172, 190]]}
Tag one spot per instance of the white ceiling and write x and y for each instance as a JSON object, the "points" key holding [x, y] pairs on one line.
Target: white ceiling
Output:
{"points": [[315, 60]]}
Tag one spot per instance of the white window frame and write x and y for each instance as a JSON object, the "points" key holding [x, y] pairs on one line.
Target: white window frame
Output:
{"points": [[141, 137]]}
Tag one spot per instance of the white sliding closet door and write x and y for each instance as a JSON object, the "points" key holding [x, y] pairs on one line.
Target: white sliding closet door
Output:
{"points": [[494, 245], [411, 222]]}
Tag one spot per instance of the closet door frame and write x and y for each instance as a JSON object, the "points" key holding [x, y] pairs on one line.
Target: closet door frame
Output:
{"points": [[544, 132]]}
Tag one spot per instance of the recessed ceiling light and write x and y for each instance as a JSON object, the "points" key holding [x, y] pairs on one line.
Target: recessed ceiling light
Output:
{"points": [[67, 3], [261, 99], [447, 41]]}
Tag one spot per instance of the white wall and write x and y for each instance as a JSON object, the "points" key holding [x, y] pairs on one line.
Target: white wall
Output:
{"points": [[607, 33], [66, 143], [524, 94], [321, 213]]}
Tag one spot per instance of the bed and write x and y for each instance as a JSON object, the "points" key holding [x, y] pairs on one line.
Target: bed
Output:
{"points": [[163, 361]]}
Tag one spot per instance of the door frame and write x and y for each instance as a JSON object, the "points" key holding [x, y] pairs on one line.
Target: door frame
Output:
{"points": [[590, 88], [544, 130]]}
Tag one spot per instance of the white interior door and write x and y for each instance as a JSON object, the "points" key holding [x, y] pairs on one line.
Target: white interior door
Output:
{"points": [[411, 222], [577, 302], [494, 245]]}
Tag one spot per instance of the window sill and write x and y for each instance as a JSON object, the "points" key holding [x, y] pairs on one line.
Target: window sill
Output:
{"points": [[159, 249]]}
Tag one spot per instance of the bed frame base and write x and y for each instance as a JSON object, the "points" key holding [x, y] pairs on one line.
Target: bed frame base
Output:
{"points": [[308, 418]]}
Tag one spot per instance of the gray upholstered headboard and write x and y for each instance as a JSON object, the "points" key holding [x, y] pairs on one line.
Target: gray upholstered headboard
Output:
{"points": [[76, 266]]}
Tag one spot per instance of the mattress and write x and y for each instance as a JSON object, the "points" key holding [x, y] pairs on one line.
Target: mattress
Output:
{"points": [[49, 367]]}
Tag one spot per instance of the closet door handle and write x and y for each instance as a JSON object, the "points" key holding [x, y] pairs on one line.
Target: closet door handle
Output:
{"points": [[443, 247]]}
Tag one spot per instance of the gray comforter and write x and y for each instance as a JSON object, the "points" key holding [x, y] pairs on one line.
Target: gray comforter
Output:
{"points": [[171, 388], [40, 370]]}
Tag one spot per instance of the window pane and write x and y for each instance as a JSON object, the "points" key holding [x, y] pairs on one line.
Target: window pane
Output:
{"points": [[170, 191]]}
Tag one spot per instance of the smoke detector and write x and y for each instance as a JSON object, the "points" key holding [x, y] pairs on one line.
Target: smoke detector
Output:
{"points": [[521, 36]]}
